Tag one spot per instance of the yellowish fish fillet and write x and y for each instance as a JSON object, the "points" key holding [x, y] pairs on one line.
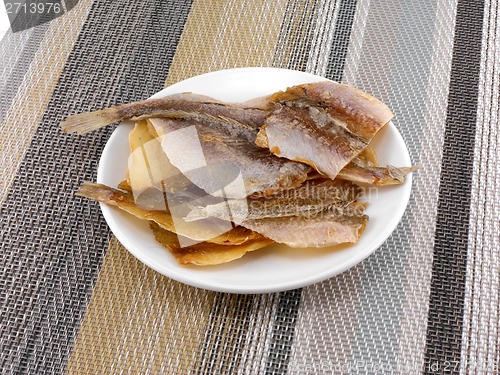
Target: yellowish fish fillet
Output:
{"points": [[148, 166], [125, 201], [204, 253]]}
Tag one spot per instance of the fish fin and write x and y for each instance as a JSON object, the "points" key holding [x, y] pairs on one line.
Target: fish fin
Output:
{"points": [[83, 123], [125, 186]]}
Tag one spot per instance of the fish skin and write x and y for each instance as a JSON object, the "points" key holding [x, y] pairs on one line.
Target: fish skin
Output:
{"points": [[125, 201], [306, 200], [204, 253], [331, 122]]}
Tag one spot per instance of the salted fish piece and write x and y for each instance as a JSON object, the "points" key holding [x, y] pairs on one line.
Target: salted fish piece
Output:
{"points": [[252, 113], [213, 152], [148, 166], [323, 124], [306, 201], [205, 253], [328, 228], [203, 232], [374, 175]]}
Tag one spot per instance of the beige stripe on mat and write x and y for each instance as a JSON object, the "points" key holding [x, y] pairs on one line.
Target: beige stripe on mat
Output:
{"points": [[33, 95], [139, 321]]}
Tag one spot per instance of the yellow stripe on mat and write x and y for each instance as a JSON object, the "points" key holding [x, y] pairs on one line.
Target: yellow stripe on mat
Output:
{"points": [[34, 93], [138, 320]]}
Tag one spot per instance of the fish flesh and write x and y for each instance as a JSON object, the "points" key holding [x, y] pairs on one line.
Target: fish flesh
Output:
{"points": [[204, 253], [331, 227], [306, 200], [322, 124], [202, 232]]}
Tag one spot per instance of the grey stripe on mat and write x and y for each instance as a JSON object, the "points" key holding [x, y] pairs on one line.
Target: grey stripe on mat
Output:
{"points": [[446, 305], [371, 318], [288, 303], [48, 272], [341, 37]]}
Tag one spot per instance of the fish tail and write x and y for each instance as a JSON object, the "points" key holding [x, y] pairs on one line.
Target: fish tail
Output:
{"points": [[97, 192], [415, 167], [84, 123]]}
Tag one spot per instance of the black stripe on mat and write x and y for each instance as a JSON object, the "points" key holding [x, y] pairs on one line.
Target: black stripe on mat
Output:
{"points": [[283, 330], [52, 243], [446, 305]]}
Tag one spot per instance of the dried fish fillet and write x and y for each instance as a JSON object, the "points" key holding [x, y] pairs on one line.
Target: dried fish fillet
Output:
{"points": [[323, 124], [213, 152], [305, 201], [328, 228], [204, 253], [148, 166], [365, 169], [202, 232], [250, 113], [317, 214], [359, 171], [206, 175], [378, 176]]}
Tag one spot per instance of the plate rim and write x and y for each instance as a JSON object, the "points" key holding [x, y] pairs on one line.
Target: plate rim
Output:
{"points": [[109, 212]]}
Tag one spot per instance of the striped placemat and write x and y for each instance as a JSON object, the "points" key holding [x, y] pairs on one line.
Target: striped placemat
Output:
{"points": [[73, 300]]}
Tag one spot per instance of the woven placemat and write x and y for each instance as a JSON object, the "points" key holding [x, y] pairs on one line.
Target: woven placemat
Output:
{"points": [[73, 300]]}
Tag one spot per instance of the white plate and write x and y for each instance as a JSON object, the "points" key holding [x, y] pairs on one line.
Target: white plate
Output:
{"points": [[278, 267]]}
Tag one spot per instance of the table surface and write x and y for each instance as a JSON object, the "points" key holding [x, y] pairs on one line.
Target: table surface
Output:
{"points": [[73, 300]]}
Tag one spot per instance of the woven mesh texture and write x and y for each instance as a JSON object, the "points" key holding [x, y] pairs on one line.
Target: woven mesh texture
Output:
{"points": [[53, 242], [480, 338], [73, 299]]}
